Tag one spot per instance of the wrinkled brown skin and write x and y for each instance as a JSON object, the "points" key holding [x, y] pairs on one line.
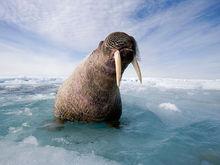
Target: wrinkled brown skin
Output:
{"points": [[91, 93]]}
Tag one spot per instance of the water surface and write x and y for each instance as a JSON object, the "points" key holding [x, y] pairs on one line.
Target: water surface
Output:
{"points": [[164, 121]]}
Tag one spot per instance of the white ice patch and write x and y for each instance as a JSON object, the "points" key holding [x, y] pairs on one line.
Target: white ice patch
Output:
{"points": [[169, 107], [170, 83], [61, 140], [25, 111], [15, 129], [25, 125], [25, 154], [30, 80], [43, 96], [14, 112], [20, 81], [12, 86], [30, 140]]}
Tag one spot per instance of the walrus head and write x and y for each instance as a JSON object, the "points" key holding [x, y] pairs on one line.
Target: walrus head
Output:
{"points": [[122, 49]]}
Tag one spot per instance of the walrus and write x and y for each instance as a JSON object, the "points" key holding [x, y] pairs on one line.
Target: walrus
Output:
{"points": [[91, 93]]}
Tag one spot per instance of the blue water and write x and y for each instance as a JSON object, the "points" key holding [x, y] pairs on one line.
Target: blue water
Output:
{"points": [[159, 125]]}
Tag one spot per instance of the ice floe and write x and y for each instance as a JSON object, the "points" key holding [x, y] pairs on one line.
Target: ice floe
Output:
{"points": [[15, 129], [169, 106], [30, 140], [170, 83], [28, 152], [25, 111], [147, 82]]}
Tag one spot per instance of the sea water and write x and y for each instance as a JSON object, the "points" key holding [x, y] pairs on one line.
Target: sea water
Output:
{"points": [[164, 121]]}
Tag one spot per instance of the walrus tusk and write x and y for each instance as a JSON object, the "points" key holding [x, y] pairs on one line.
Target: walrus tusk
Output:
{"points": [[137, 69], [117, 58]]}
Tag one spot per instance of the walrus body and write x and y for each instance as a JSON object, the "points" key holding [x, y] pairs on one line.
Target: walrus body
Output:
{"points": [[91, 93]]}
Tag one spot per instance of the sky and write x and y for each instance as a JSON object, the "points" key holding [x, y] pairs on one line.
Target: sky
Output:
{"points": [[176, 38]]}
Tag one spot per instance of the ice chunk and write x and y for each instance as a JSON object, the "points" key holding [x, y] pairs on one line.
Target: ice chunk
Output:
{"points": [[169, 106], [31, 140], [25, 111], [15, 129], [25, 154], [171, 83], [25, 125]]}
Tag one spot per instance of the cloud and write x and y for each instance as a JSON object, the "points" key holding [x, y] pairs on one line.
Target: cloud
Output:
{"points": [[179, 43], [176, 39], [24, 62], [75, 23]]}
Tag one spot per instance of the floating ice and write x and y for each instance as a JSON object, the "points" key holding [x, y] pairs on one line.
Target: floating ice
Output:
{"points": [[169, 106], [43, 96], [61, 140], [31, 140], [25, 125], [14, 112], [25, 154], [25, 111], [29, 80], [171, 83], [15, 129]]}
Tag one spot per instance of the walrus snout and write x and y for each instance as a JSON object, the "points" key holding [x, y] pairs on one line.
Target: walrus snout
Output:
{"points": [[127, 55]]}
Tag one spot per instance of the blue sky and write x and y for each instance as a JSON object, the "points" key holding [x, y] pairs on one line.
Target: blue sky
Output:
{"points": [[177, 39]]}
